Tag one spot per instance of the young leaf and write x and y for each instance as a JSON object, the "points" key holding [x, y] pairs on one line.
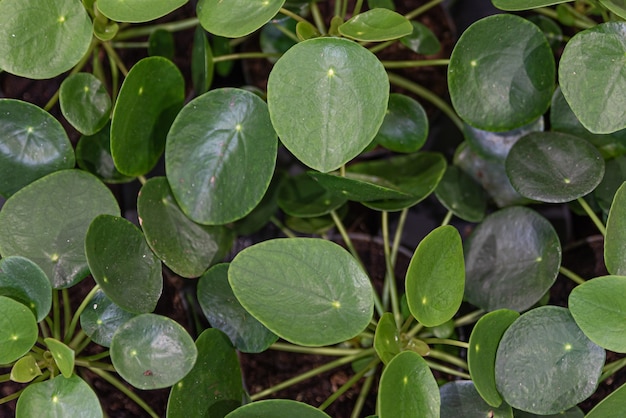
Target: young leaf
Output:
{"points": [[545, 364], [277, 408], [25, 370], [236, 18], [461, 399], [376, 25], [296, 285], [63, 356], [422, 40], [387, 338], [152, 351], [615, 242], [102, 318], [461, 195], [18, 330], [408, 389], [313, 112], [122, 263], [405, 127], [435, 278], [93, 154], [612, 406], [303, 196], [138, 10], [24, 281], [33, 144], [85, 102]]}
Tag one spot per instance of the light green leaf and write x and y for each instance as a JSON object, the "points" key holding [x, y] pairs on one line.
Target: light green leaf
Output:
{"points": [[236, 18], [24, 281], [277, 408], [574, 412], [405, 127], [616, 6], [18, 330], [612, 406], [63, 356], [461, 399], [136, 11], [376, 25], [25, 370], [387, 338], [85, 102], [615, 241], [514, 5], [102, 318]]}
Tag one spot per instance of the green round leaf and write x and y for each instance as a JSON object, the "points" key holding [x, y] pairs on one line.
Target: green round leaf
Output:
{"points": [[311, 94], [184, 246], [152, 351], [377, 24], [405, 127], [25, 370], [42, 39], [600, 311], [93, 154], [303, 196], [408, 389], [122, 264], [461, 399], [496, 145], [47, 220], [461, 195], [217, 140], [574, 412], [161, 43], [137, 10], [24, 281], [422, 40], [511, 260], [514, 5], [615, 240], [33, 144], [224, 312], [18, 330], [499, 83], [387, 338], [545, 364], [151, 96], [277, 408], [550, 29], [308, 291], [236, 18], [102, 318], [612, 406], [85, 102], [481, 355], [103, 28], [272, 38], [554, 167], [435, 278], [59, 397], [63, 356], [216, 372], [358, 187], [593, 78]]}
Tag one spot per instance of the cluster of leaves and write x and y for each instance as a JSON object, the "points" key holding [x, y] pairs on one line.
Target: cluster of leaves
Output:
{"points": [[61, 223]]}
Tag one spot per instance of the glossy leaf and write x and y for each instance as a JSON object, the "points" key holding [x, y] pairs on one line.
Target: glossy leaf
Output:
{"points": [[550, 29], [545, 364], [272, 38], [481, 355], [47, 220], [18, 330], [216, 373], [435, 278], [305, 30], [554, 167], [150, 97], [614, 176], [313, 111], [59, 397], [308, 291], [224, 312], [574, 412], [315, 225], [512, 258], [277, 408], [183, 245], [42, 39], [102, 318], [408, 389], [496, 145], [33, 144], [615, 241], [303, 196], [93, 154], [63, 356], [103, 28], [616, 6], [387, 339], [137, 10], [358, 187], [422, 40], [236, 18], [513, 5], [461, 399], [461, 195], [161, 43], [600, 311], [85, 102], [593, 78], [405, 127], [122, 264], [612, 406], [375, 25], [218, 139], [25, 370], [202, 67], [24, 281], [152, 351], [499, 83]]}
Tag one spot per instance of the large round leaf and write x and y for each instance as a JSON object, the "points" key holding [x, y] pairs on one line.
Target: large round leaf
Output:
{"points": [[236, 18], [376, 24], [461, 195], [323, 91], [85, 102], [18, 330], [150, 97], [47, 220], [277, 408], [511, 260], [24, 281], [545, 364], [102, 318], [612, 406], [137, 10], [224, 312], [308, 291], [496, 145], [593, 77], [408, 389], [600, 311], [152, 351], [33, 144], [184, 246], [59, 397], [461, 399], [220, 156], [615, 242], [42, 39], [435, 278], [499, 83], [122, 264], [216, 373], [573, 412], [405, 127], [554, 167]]}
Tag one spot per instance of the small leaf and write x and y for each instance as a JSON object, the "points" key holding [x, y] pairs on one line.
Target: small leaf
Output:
{"points": [[277, 408], [303, 196], [25, 370], [236, 18], [85, 102], [63, 356], [137, 10], [18, 330], [102, 318], [93, 154], [387, 338], [461, 195], [152, 351], [358, 187], [405, 127], [422, 40], [376, 25], [305, 30], [24, 281], [435, 278], [202, 67], [161, 44], [461, 399], [612, 406], [615, 241]]}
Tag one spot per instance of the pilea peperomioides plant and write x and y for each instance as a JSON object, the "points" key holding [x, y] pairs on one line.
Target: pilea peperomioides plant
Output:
{"points": [[329, 103]]}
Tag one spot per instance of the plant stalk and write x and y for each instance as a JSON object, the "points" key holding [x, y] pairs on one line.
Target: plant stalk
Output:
{"points": [[69, 331], [446, 341], [445, 369], [317, 18], [414, 63], [470, 318], [246, 55], [571, 275], [423, 9], [352, 381], [440, 355], [360, 401], [390, 277], [592, 215], [322, 351], [136, 32]]}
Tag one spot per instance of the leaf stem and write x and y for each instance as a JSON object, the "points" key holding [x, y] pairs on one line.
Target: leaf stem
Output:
{"points": [[571, 275], [454, 360], [445, 369], [423, 9], [115, 58], [136, 32], [96, 357], [447, 219], [360, 401], [470, 318], [69, 331], [351, 382], [317, 18], [612, 368], [282, 227], [413, 331], [321, 351], [592, 215], [398, 236], [129, 45], [446, 341], [357, 7], [292, 15], [56, 315], [390, 277], [414, 63], [551, 13], [45, 332]]}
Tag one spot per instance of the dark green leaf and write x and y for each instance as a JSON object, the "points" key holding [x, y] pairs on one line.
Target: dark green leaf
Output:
{"points": [[358, 187], [303, 196], [93, 154], [405, 127], [496, 145], [85, 102], [137, 10], [461, 195], [273, 40], [574, 412], [236, 18], [202, 67], [615, 241], [461, 399], [24, 281], [18, 330], [277, 408], [161, 43], [102, 318], [550, 29], [422, 40], [376, 25]]}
